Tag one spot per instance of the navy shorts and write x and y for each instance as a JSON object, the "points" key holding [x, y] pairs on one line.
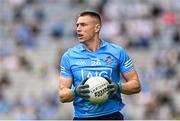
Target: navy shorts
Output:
{"points": [[113, 116]]}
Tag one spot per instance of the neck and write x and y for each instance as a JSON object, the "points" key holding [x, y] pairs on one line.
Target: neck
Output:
{"points": [[93, 45]]}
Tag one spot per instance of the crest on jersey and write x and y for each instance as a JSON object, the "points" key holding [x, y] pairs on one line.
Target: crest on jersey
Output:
{"points": [[109, 59]]}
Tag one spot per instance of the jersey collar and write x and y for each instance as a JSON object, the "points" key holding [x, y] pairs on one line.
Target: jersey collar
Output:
{"points": [[102, 44]]}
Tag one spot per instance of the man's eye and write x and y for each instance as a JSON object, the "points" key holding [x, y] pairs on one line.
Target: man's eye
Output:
{"points": [[83, 24]]}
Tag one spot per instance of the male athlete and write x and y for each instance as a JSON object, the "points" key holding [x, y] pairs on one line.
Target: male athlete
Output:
{"points": [[95, 57]]}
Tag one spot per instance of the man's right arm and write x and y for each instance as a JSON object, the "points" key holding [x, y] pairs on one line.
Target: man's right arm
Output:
{"points": [[65, 93]]}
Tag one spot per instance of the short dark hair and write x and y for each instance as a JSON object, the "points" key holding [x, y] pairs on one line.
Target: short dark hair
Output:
{"points": [[92, 14]]}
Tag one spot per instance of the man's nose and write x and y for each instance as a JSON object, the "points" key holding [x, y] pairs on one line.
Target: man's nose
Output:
{"points": [[78, 29]]}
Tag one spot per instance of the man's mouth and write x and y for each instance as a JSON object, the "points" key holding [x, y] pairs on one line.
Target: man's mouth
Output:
{"points": [[80, 35]]}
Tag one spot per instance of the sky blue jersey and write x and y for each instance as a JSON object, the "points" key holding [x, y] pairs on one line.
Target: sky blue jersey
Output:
{"points": [[109, 60]]}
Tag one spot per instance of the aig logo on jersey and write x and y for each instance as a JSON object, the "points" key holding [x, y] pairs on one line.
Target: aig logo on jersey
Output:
{"points": [[92, 72]]}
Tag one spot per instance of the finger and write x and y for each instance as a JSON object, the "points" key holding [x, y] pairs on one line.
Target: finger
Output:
{"points": [[84, 86], [110, 86], [84, 81], [85, 91], [86, 98], [108, 80], [111, 91], [85, 95], [111, 96]]}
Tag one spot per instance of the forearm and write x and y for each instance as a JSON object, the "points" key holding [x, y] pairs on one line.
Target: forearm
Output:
{"points": [[65, 95], [131, 87]]}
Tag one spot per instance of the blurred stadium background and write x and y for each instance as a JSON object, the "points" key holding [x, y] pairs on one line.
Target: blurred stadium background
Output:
{"points": [[35, 33]]}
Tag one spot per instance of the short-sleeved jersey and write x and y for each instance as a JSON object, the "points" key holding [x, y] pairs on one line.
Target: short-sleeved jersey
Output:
{"points": [[109, 60]]}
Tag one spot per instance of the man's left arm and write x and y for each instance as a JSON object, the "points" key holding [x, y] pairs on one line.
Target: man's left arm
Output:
{"points": [[132, 84]]}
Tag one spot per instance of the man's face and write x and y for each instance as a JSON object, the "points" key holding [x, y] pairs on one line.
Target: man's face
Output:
{"points": [[86, 29]]}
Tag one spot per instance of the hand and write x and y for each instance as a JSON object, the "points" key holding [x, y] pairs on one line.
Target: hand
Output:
{"points": [[113, 88], [83, 90]]}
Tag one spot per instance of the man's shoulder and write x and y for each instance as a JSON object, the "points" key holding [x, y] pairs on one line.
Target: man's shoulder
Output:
{"points": [[73, 49], [113, 46]]}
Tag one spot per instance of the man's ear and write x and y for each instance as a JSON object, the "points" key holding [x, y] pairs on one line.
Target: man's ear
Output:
{"points": [[97, 27]]}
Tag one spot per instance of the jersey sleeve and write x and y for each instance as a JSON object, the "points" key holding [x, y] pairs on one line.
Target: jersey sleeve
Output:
{"points": [[65, 70], [126, 64]]}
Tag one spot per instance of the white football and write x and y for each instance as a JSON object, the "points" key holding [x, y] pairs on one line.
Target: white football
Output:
{"points": [[98, 89]]}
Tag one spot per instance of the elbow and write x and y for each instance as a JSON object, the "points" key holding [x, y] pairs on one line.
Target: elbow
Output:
{"points": [[138, 88], [64, 99], [61, 98]]}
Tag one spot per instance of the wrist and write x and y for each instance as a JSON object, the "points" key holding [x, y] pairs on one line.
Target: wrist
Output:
{"points": [[120, 87], [73, 90]]}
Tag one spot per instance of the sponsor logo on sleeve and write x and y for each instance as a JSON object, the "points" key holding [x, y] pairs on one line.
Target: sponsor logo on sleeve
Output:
{"points": [[63, 69]]}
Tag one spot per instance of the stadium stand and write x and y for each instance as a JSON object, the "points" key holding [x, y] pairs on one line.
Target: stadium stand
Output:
{"points": [[35, 33]]}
